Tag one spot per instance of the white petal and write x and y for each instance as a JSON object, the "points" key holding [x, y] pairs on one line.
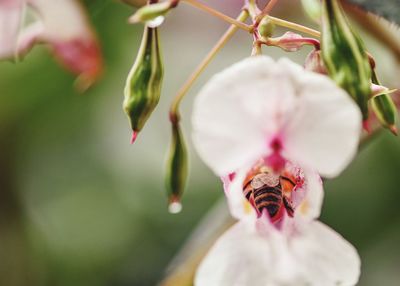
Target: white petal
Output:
{"points": [[238, 111], [311, 204], [240, 257], [324, 131], [325, 257], [239, 206], [63, 19], [66, 28], [28, 37], [315, 256], [11, 12]]}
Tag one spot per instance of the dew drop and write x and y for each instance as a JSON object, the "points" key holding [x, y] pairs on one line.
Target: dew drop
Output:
{"points": [[175, 207], [157, 21]]}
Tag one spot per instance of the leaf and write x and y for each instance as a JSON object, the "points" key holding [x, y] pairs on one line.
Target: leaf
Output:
{"points": [[388, 9]]}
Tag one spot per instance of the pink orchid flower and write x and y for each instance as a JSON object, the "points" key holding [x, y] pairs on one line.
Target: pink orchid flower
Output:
{"points": [[275, 127], [62, 24]]}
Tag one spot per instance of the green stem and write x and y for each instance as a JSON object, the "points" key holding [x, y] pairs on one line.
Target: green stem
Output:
{"points": [[294, 26], [174, 111], [267, 9], [220, 15]]}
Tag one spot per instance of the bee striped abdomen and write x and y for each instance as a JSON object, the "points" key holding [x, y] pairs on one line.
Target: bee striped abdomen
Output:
{"points": [[248, 190], [269, 198]]}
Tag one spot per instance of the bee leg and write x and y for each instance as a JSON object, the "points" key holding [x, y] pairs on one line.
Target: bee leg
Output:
{"points": [[288, 206]]}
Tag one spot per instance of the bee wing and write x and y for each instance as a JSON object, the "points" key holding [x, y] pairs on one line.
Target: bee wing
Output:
{"points": [[270, 179], [257, 182]]}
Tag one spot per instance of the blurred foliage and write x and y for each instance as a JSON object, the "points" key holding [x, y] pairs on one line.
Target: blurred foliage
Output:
{"points": [[80, 206], [389, 9]]}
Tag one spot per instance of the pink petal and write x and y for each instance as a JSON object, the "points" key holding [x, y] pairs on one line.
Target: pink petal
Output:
{"points": [[82, 57], [67, 29]]}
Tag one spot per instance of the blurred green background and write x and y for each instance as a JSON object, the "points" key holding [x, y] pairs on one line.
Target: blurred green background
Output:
{"points": [[80, 206]]}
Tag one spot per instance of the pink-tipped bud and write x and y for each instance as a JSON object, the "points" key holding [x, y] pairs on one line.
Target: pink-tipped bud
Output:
{"points": [[134, 136], [366, 126], [393, 129]]}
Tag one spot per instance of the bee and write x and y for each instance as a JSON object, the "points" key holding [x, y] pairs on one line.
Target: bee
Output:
{"points": [[267, 191]]}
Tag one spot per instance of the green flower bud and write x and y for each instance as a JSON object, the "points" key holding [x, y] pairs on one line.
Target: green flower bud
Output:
{"points": [[143, 85], [266, 27], [152, 12], [384, 108], [344, 55], [177, 169]]}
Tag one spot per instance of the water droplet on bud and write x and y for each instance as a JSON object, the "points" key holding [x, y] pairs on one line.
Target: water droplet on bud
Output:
{"points": [[157, 21], [175, 207]]}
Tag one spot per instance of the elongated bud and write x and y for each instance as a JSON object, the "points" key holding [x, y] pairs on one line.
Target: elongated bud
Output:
{"points": [[292, 42], [384, 108], [344, 55], [152, 13], [143, 85], [177, 169]]}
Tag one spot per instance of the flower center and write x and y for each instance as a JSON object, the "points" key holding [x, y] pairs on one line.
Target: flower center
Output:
{"points": [[270, 193]]}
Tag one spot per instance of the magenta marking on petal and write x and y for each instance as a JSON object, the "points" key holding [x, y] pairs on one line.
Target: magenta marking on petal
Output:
{"points": [[276, 144], [231, 176], [276, 162], [134, 136]]}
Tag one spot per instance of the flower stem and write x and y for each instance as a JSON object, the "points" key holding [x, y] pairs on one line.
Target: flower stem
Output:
{"points": [[267, 9], [253, 9], [220, 15], [294, 26], [174, 116]]}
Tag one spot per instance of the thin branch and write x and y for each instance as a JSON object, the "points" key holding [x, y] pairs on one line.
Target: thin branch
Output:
{"points": [[294, 26], [218, 46], [220, 15], [267, 9]]}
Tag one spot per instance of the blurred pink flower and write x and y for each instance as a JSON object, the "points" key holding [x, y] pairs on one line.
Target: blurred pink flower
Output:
{"points": [[274, 119], [62, 24]]}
